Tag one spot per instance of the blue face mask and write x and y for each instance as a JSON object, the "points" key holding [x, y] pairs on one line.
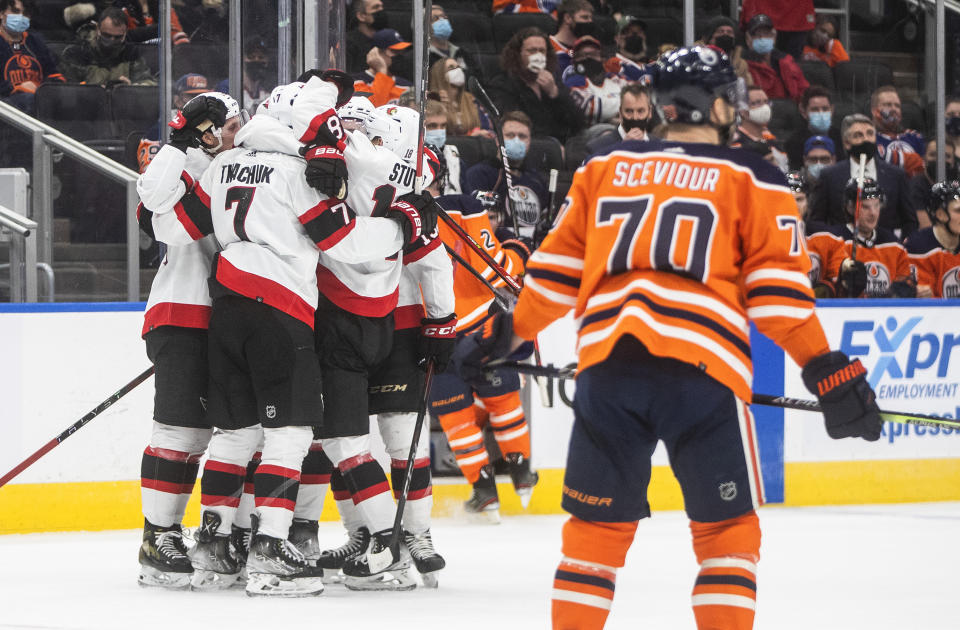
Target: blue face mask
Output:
{"points": [[814, 170], [17, 22], [763, 45], [820, 121], [515, 148], [442, 28], [435, 137]]}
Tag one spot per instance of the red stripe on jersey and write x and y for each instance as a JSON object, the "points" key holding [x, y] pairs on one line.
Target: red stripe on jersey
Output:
{"points": [[341, 495], [314, 479], [202, 195], [420, 251], [280, 471], [224, 467], [409, 316], [175, 314], [275, 502], [417, 463], [188, 181], [264, 290], [372, 491], [337, 236], [315, 211], [214, 500], [342, 296], [248, 487], [187, 223]]}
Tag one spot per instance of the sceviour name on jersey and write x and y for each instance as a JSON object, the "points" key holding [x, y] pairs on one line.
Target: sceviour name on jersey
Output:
{"points": [[245, 174], [666, 172]]}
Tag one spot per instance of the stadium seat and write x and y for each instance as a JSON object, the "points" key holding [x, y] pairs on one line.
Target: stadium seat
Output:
{"points": [[818, 73], [842, 107], [469, 148], [860, 78], [505, 25], [134, 108], [545, 153], [472, 31], [662, 30], [489, 65], [80, 111]]}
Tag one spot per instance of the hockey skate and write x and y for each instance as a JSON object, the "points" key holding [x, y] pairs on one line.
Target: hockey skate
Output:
{"points": [[303, 535], [523, 478], [376, 568], [214, 566], [276, 568], [331, 560], [424, 556], [240, 547], [163, 558], [484, 503]]}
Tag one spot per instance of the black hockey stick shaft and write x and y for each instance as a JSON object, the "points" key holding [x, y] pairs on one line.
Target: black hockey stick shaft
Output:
{"points": [[73, 428], [482, 253], [477, 90], [411, 457], [501, 301], [782, 402]]}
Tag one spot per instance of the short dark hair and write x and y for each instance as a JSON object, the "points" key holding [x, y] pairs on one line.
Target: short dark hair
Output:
{"points": [[572, 6], [634, 89], [951, 100], [517, 116], [113, 14], [8, 4], [814, 91]]}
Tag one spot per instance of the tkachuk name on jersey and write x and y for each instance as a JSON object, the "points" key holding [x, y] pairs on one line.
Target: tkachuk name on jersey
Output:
{"points": [[256, 174], [668, 173], [878, 279]]}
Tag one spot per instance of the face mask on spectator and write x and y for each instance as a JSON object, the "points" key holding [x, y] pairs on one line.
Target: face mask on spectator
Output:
{"points": [[636, 123], [442, 28], [814, 170], [953, 125], [456, 77], [110, 45], [590, 68], [890, 116], [725, 43], [635, 44], [950, 173], [515, 148], [763, 45], [864, 148], [582, 28], [435, 137], [536, 62], [760, 115], [379, 21], [17, 22], [820, 121]]}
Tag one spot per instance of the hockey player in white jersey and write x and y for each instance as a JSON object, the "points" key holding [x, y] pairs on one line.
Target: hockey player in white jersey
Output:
{"points": [[175, 328]]}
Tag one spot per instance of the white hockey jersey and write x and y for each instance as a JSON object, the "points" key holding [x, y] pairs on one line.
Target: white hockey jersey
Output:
{"points": [[427, 279], [272, 225], [179, 295]]}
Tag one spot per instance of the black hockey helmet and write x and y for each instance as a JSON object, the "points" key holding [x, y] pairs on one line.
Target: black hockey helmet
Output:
{"points": [[796, 182], [686, 82], [871, 190], [941, 194]]}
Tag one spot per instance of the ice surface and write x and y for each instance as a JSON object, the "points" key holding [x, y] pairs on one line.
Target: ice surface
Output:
{"points": [[865, 567]]}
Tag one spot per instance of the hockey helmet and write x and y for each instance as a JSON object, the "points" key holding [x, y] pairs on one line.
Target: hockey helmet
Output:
{"points": [[357, 109], [379, 125], [407, 122], [941, 194], [871, 190], [796, 182], [687, 81], [279, 105], [437, 162], [233, 111]]}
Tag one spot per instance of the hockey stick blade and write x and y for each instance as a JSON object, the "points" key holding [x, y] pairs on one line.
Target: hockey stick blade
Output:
{"points": [[76, 426], [477, 90]]}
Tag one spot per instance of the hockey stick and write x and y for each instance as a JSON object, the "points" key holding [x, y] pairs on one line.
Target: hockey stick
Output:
{"points": [[782, 402], [482, 253], [421, 16], [411, 456], [501, 301], [859, 205], [477, 90], [73, 428]]}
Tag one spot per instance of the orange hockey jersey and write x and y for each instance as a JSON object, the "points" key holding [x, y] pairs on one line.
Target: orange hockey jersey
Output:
{"points": [[885, 258], [932, 265], [826, 253], [473, 298], [677, 245]]}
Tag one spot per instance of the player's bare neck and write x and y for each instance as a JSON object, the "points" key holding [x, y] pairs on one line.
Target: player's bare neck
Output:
{"points": [[947, 239], [692, 133]]}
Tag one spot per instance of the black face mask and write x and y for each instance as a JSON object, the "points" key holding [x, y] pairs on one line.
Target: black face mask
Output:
{"points": [[379, 21], [950, 173], [636, 123], [725, 43], [953, 125], [590, 68], [583, 28], [635, 45], [864, 148]]}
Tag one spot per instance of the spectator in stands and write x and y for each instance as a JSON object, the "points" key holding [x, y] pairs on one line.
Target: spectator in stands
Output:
{"points": [[142, 25], [529, 194], [951, 115], [574, 20], [895, 144], [793, 19], [207, 21], [595, 91], [819, 152], [435, 124], [816, 107], [25, 60], [860, 137], [384, 87], [721, 32], [636, 119], [465, 117], [823, 45], [524, 6], [773, 70], [920, 184], [256, 66], [753, 134], [631, 55], [366, 17], [528, 84], [109, 59], [440, 45]]}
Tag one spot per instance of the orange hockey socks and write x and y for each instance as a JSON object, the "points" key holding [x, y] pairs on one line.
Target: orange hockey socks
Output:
{"points": [[585, 580], [725, 593], [509, 424], [466, 441]]}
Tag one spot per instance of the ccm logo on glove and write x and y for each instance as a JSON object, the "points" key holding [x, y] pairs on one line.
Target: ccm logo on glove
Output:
{"points": [[449, 330]]}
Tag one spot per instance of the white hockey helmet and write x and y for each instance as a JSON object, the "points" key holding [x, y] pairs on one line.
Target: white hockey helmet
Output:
{"points": [[378, 125], [233, 111], [358, 108], [279, 105], [407, 120]]}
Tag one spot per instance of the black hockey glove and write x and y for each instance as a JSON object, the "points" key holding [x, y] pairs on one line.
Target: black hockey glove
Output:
{"points": [[520, 244], [326, 170], [903, 289], [437, 339], [416, 214], [199, 114], [848, 402], [491, 342], [853, 277], [338, 77]]}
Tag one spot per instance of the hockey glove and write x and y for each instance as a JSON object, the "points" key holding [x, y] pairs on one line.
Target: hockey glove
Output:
{"points": [[853, 277], [848, 402], [903, 289], [491, 342], [326, 170], [521, 244], [437, 339], [416, 214], [199, 114], [338, 77]]}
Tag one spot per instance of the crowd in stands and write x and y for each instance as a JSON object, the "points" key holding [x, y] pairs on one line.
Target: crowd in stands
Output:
{"points": [[567, 77]]}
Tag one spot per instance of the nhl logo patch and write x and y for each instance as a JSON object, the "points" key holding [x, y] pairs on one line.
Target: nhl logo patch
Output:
{"points": [[728, 490], [272, 413]]}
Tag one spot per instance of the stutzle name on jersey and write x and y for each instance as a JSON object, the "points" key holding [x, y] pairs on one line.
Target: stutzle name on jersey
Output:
{"points": [[669, 173]]}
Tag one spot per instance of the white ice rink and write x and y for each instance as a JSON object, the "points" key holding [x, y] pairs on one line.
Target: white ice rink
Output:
{"points": [[851, 568]]}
